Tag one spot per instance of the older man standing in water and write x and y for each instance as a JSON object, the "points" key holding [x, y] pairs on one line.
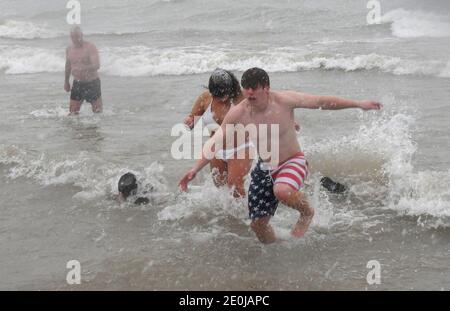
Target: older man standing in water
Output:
{"points": [[82, 61], [280, 175]]}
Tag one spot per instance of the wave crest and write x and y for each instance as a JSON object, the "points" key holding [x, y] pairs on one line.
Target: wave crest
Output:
{"points": [[13, 29], [139, 61], [414, 24]]}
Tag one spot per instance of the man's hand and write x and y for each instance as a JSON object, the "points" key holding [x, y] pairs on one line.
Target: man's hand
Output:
{"points": [[183, 184], [67, 86], [370, 105]]}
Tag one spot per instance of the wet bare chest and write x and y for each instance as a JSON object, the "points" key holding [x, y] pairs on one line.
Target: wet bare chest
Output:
{"points": [[273, 118], [78, 56]]}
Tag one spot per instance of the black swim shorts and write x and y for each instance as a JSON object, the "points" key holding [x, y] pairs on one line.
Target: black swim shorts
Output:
{"points": [[261, 199], [89, 91]]}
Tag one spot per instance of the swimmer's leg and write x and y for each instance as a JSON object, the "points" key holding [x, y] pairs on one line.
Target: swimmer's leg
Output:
{"points": [[97, 105], [74, 107], [296, 200], [263, 230]]}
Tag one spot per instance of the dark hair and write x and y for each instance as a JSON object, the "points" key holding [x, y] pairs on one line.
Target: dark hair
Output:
{"points": [[222, 83], [254, 78], [127, 184]]}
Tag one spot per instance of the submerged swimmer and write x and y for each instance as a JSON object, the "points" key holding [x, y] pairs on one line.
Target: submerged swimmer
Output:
{"points": [[128, 188]]}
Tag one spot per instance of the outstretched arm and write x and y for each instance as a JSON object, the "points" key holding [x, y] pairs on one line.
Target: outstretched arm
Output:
{"points": [[309, 101]]}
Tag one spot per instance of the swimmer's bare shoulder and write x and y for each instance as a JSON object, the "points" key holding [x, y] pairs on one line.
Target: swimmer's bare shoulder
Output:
{"points": [[236, 113], [205, 99]]}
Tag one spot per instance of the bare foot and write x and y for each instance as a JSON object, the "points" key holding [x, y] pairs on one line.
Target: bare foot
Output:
{"points": [[302, 226]]}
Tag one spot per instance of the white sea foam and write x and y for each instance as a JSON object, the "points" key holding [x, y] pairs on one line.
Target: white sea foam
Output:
{"points": [[197, 204], [144, 61], [413, 24], [141, 61], [379, 159], [54, 112], [388, 64], [94, 176], [26, 30], [26, 60]]}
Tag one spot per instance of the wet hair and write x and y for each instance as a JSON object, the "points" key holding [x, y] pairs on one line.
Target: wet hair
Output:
{"points": [[254, 78], [222, 83], [127, 185]]}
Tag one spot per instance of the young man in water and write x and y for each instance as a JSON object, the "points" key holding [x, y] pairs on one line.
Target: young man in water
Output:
{"points": [[280, 181], [82, 61]]}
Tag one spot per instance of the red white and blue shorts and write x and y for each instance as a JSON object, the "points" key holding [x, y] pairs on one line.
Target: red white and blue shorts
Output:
{"points": [[261, 198]]}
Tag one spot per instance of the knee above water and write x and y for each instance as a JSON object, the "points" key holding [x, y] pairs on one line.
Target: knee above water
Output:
{"points": [[283, 192]]}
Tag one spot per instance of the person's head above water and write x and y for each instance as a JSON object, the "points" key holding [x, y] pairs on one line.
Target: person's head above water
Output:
{"points": [[127, 185], [256, 87], [223, 83], [254, 78], [76, 35]]}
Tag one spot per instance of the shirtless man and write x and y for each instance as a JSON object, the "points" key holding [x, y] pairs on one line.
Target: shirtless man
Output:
{"points": [[82, 61], [273, 183]]}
